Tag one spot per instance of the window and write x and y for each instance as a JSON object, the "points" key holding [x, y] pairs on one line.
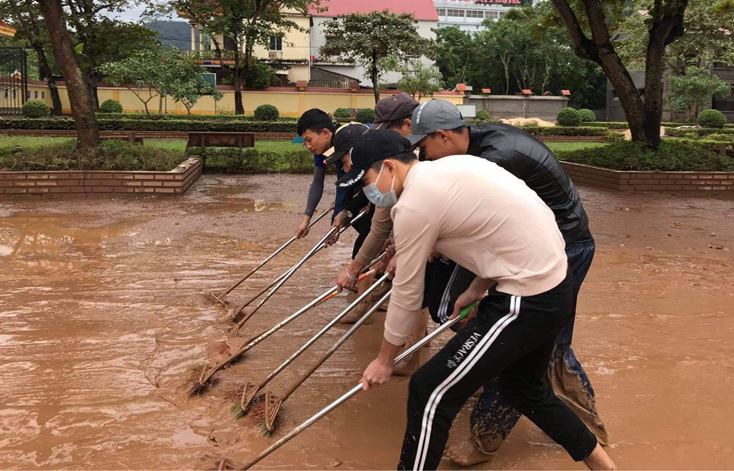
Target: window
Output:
{"points": [[501, 14], [441, 11], [474, 14], [455, 12], [276, 43], [43, 95], [35, 94], [493, 15]]}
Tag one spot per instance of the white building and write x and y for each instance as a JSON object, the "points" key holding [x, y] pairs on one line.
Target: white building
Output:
{"points": [[469, 15], [422, 10]]}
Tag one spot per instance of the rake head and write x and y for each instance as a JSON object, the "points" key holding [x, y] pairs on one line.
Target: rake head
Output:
{"points": [[217, 297], [272, 407], [248, 394], [198, 385]]}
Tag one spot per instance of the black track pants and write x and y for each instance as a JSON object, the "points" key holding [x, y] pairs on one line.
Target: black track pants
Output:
{"points": [[512, 338]]}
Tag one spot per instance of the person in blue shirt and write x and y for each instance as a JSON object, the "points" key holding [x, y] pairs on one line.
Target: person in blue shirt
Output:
{"points": [[316, 128]]}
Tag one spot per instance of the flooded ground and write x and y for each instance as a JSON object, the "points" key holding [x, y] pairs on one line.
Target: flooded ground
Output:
{"points": [[103, 321]]}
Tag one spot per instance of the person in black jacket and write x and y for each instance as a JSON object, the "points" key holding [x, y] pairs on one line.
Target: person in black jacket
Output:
{"points": [[439, 130]]}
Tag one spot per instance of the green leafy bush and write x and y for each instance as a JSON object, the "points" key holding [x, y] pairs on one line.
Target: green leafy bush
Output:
{"points": [[670, 156], [587, 116], [35, 109], [251, 161], [692, 133], [483, 116], [110, 155], [266, 113], [133, 124], [342, 113], [564, 131], [366, 115], [614, 136], [568, 117], [110, 107], [712, 119], [193, 117]]}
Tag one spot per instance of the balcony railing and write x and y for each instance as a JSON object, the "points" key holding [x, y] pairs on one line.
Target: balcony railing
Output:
{"points": [[324, 84], [210, 55]]}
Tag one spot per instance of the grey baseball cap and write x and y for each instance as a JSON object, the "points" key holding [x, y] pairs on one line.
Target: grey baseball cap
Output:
{"points": [[432, 116], [387, 110]]}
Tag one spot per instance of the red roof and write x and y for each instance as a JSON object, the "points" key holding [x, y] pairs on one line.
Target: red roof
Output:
{"points": [[422, 10]]}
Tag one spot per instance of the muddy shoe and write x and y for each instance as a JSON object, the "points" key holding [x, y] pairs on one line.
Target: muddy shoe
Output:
{"points": [[357, 314], [465, 454], [408, 366]]}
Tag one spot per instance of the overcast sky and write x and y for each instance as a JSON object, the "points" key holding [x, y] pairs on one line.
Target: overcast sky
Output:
{"points": [[133, 14]]}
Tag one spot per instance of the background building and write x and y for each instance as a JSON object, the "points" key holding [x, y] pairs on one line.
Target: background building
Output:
{"points": [[6, 30], [295, 55], [470, 14], [422, 10]]}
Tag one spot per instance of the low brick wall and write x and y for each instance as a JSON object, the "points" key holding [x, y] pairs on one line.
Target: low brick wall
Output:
{"points": [[571, 138], [649, 181], [175, 182]]}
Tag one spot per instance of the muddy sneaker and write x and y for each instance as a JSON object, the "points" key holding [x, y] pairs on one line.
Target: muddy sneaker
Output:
{"points": [[465, 454], [379, 293], [409, 366], [357, 314]]}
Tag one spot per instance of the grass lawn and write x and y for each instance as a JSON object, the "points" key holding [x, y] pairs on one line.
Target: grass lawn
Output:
{"points": [[560, 147]]}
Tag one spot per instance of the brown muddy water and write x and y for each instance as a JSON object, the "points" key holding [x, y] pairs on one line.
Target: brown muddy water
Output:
{"points": [[103, 321]]}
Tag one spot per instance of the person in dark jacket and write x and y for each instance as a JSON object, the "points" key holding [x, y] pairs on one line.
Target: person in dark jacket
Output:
{"points": [[439, 130]]}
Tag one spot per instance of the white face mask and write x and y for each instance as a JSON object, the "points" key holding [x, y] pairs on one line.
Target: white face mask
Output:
{"points": [[379, 199]]}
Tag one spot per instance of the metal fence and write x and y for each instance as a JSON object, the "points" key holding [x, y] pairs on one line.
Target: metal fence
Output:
{"points": [[13, 80]]}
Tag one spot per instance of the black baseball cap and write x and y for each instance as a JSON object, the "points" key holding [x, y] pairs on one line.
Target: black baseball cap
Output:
{"points": [[344, 138], [372, 147], [387, 110]]}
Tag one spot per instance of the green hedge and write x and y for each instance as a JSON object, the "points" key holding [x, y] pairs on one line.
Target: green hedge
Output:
{"points": [[670, 156], [697, 132], [111, 155], [565, 131], [127, 124], [625, 125], [251, 161], [190, 117]]}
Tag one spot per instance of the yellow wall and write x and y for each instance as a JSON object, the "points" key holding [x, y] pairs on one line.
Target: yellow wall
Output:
{"points": [[295, 43], [289, 103]]}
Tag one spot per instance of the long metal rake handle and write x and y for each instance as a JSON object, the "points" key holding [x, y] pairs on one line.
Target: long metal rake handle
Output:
{"points": [[356, 389], [271, 256], [320, 245], [325, 329]]}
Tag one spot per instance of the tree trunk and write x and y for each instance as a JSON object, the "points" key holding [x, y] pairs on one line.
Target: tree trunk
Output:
{"points": [[239, 106], [82, 104], [47, 73], [654, 69], [374, 76], [629, 96]]}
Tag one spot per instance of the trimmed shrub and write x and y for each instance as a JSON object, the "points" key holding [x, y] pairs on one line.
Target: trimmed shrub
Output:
{"points": [[342, 113], [483, 116], [110, 155], [35, 109], [250, 161], [366, 115], [128, 124], [670, 156], [614, 136], [712, 119], [110, 107], [564, 131], [568, 117], [266, 113], [587, 116], [693, 133]]}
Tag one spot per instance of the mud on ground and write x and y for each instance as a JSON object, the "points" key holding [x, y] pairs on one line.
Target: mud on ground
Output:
{"points": [[103, 320]]}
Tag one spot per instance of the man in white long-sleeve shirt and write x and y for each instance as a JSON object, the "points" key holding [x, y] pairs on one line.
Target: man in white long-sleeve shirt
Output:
{"points": [[490, 222]]}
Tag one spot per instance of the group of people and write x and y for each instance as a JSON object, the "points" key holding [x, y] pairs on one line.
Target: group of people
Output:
{"points": [[473, 214]]}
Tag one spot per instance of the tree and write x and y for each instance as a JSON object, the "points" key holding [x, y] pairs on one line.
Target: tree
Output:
{"points": [[527, 49], [82, 104], [246, 23], [107, 40], [156, 73], [420, 80], [697, 88], [663, 26], [708, 37], [454, 54], [369, 38], [95, 34], [25, 17]]}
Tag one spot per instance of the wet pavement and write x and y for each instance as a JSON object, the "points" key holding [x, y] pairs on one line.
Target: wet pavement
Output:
{"points": [[103, 322]]}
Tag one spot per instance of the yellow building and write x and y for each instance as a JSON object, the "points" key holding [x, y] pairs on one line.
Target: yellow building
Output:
{"points": [[287, 52], [6, 30]]}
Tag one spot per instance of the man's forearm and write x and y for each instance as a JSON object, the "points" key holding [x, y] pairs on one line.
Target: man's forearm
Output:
{"points": [[388, 352]]}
